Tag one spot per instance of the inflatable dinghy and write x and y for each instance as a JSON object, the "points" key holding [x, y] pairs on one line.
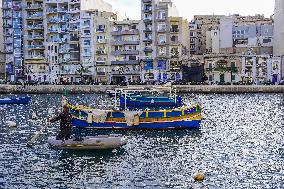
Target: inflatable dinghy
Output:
{"points": [[101, 142]]}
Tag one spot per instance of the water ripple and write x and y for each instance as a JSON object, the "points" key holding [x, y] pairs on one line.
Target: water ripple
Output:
{"points": [[239, 145]]}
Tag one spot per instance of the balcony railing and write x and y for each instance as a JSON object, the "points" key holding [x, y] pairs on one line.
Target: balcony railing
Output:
{"points": [[125, 32], [39, 26], [125, 52], [223, 69], [51, 10], [125, 62], [119, 42], [34, 7], [35, 46]]}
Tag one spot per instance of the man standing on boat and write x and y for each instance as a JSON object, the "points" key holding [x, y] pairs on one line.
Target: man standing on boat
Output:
{"points": [[65, 118]]}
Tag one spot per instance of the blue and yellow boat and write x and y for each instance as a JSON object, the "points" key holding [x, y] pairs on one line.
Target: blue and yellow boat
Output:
{"points": [[180, 118], [134, 102]]}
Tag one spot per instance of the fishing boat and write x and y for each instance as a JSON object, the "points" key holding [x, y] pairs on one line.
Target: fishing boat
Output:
{"points": [[125, 118], [138, 98], [101, 142], [153, 102], [19, 100], [179, 118]]}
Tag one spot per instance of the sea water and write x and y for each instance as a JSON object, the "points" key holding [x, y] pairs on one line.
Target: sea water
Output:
{"points": [[239, 145]]}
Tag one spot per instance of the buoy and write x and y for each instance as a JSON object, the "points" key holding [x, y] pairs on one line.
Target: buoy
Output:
{"points": [[34, 116], [11, 124], [199, 176], [114, 151]]}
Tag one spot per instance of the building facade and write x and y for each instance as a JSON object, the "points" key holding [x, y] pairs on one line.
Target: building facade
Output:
{"points": [[125, 52]]}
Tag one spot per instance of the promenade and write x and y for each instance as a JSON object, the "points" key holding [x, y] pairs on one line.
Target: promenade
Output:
{"points": [[88, 89]]}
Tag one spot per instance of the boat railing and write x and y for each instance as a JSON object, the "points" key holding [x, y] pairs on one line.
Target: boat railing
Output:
{"points": [[125, 92]]}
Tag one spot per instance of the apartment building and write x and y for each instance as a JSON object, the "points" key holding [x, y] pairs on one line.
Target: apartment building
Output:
{"points": [[223, 68], [2, 57], [42, 38], [162, 37], [199, 28], [103, 26], [238, 35], [13, 39], [230, 34], [252, 69], [125, 52]]}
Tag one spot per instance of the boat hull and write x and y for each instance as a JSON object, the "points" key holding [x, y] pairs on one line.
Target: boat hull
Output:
{"points": [[21, 100], [167, 125], [89, 143]]}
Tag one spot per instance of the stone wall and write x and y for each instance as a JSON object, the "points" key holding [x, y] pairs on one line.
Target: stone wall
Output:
{"points": [[78, 89]]}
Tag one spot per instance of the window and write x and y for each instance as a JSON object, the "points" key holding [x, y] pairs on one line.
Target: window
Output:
{"points": [[210, 78], [87, 32], [87, 42], [266, 40]]}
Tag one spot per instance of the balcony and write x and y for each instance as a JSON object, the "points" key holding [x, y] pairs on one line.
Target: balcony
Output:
{"points": [[77, 49], [33, 47], [147, 9], [7, 16], [148, 49], [174, 30], [125, 52], [125, 62], [148, 20], [223, 69], [74, 2], [86, 54], [7, 25], [102, 41], [7, 6], [161, 19], [51, 10], [126, 32], [175, 42], [35, 17], [8, 41], [147, 1], [35, 27], [8, 34], [162, 30], [162, 43], [147, 30], [34, 7], [52, 30], [147, 40], [8, 50], [126, 72], [74, 10], [163, 55], [51, 1], [64, 51], [53, 20], [36, 37], [125, 43], [101, 52], [100, 30], [34, 57]]}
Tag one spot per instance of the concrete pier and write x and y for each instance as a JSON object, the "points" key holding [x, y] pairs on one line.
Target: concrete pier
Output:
{"points": [[89, 89]]}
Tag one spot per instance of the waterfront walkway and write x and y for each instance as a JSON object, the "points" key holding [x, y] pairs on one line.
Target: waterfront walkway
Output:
{"points": [[78, 89]]}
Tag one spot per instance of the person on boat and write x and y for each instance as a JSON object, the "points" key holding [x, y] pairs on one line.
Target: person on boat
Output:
{"points": [[65, 118]]}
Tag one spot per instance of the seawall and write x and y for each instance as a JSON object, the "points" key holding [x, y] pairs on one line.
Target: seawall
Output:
{"points": [[78, 89]]}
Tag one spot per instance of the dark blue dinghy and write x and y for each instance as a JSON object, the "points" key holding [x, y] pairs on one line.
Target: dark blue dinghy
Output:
{"points": [[19, 100]]}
